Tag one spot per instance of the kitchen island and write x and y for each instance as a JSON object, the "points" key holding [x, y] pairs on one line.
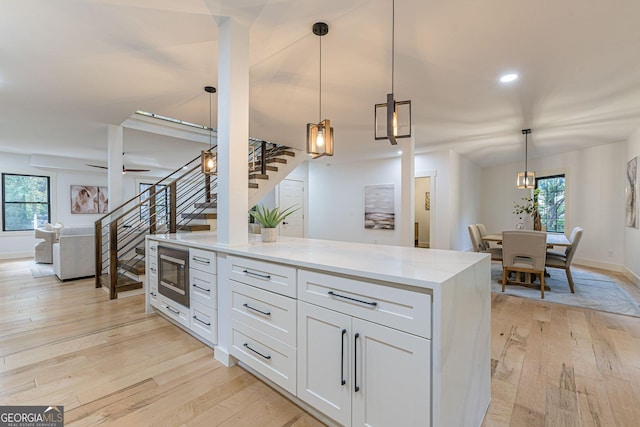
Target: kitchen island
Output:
{"points": [[359, 334]]}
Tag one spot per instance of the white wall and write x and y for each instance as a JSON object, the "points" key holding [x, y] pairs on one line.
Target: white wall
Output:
{"points": [[437, 165], [632, 235], [594, 199], [15, 244], [464, 194], [336, 200]]}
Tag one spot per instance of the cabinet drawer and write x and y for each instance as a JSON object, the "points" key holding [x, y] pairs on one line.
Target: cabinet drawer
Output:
{"points": [[177, 312], [152, 251], [153, 296], [401, 309], [204, 322], [268, 276], [272, 314], [202, 288], [271, 358], [202, 260]]}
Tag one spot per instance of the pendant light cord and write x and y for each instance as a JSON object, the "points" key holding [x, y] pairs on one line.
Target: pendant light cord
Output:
{"points": [[526, 155], [393, 42], [320, 107], [209, 121]]}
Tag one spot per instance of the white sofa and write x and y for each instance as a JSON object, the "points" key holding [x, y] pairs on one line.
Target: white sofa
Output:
{"points": [[74, 254]]}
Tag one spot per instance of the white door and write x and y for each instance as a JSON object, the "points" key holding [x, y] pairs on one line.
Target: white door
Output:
{"points": [[392, 373], [324, 361], [290, 193]]}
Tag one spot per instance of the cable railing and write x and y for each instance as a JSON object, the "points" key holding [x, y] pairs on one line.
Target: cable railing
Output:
{"points": [[170, 205]]}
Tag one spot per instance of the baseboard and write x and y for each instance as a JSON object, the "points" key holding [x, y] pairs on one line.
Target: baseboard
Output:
{"points": [[632, 276], [14, 255], [618, 268]]}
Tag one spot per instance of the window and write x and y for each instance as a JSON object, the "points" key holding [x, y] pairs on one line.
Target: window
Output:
{"points": [[551, 202], [161, 203], [26, 201]]}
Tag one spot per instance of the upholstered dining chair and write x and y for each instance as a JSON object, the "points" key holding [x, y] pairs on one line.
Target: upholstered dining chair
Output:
{"points": [[524, 252], [478, 244], [560, 260], [483, 231]]}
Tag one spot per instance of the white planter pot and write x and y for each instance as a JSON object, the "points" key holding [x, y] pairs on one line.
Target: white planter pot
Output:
{"points": [[269, 235]]}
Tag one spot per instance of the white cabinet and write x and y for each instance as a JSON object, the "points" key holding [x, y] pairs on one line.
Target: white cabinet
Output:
{"points": [[360, 373], [263, 318], [203, 296], [151, 274]]}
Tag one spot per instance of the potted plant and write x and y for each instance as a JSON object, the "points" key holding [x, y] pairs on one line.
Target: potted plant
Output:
{"points": [[269, 219]]}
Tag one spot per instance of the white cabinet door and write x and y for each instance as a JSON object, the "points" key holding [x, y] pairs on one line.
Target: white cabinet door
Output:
{"points": [[392, 376], [324, 361]]}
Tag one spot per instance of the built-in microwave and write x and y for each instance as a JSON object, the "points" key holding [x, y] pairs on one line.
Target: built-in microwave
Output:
{"points": [[173, 274]]}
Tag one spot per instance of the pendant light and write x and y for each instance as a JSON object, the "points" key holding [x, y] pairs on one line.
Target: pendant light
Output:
{"points": [[526, 179], [208, 159], [320, 135], [393, 118]]}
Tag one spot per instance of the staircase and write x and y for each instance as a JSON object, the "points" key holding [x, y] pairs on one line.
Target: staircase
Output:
{"points": [[183, 201]]}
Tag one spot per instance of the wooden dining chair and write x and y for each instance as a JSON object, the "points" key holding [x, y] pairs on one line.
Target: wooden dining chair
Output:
{"points": [[560, 260], [524, 252]]}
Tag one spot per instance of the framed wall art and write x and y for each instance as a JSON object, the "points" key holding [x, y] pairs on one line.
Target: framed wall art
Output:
{"points": [[379, 213]]}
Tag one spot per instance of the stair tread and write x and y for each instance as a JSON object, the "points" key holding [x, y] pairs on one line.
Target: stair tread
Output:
{"points": [[195, 227], [200, 215], [258, 176], [133, 266], [253, 185], [206, 205], [123, 283]]}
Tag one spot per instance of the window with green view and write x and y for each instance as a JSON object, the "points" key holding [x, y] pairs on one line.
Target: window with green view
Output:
{"points": [[551, 201], [25, 200]]}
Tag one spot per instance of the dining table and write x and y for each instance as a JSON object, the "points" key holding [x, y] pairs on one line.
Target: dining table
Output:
{"points": [[553, 239]]}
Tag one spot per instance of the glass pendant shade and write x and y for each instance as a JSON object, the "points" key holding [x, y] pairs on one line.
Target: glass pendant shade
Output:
{"points": [[393, 120], [209, 163], [320, 139], [526, 179]]}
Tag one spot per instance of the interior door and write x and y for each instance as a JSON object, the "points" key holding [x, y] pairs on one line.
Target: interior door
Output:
{"points": [[290, 193]]}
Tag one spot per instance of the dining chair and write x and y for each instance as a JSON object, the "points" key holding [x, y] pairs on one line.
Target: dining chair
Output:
{"points": [[483, 232], [524, 252], [560, 260], [478, 246]]}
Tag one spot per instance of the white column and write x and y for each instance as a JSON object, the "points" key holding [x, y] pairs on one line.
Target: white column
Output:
{"points": [[407, 183], [233, 131], [114, 162]]}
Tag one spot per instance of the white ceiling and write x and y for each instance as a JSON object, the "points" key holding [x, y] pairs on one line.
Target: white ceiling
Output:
{"points": [[70, 67]]}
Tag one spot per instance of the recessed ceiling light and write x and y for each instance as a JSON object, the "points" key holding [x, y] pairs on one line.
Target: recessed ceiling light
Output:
{"points": [[508, 77], [399, 151]]}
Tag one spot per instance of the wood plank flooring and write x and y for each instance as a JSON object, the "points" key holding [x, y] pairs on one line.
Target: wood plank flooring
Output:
{"points": [[66, 343]]}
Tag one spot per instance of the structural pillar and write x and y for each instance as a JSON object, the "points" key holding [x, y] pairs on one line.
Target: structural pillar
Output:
{"points": [[114, 162], [407, 194], [233, 131]]}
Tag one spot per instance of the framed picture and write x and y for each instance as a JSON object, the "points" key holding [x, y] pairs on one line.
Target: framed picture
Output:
{"points": [[427, 201], [379, 211], [89, 199], [631, 194]]}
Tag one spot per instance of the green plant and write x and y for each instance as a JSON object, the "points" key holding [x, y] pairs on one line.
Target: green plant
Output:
{"points": [[529, 206], [270, 218]]}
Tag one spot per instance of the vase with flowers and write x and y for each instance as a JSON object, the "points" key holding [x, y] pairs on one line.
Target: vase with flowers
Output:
{"points": [[527, 211]]}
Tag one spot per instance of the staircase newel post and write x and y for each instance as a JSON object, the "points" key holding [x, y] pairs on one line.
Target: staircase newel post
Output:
{"points": [[113, 259], [98, 249], [173, 210], [263, 158], [152, 210]]}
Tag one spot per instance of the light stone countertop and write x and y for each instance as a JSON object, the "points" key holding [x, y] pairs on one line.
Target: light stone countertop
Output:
{"points": [[419, 267]]}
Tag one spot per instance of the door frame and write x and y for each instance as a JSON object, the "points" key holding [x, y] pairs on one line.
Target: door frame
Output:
{"points": [[431, 174]]}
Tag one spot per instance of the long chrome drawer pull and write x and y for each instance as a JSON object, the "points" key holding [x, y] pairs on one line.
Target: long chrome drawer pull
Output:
{"points": [[372, 303], [342, 380], [201, 260], [356, 387], [257, 352], [204, 323], [266, 313], [174, 311], [264, 276], [201, 288]]}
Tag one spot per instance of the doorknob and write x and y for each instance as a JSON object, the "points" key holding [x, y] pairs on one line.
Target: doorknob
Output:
{"points": [[284, 223]]}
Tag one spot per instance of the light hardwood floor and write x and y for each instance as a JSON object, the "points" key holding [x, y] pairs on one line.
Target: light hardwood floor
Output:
{"points": [[109, 363]]}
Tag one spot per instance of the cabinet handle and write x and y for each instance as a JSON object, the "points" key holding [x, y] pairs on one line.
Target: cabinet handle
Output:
{"points": [[204, 323], [153, 248], [264, 276], [152, 269], [266, 313], [153, 294], [356, 388], [200, 260], [342, 380], [371, 303], [201, 288], [174, 311], [257, 352]]}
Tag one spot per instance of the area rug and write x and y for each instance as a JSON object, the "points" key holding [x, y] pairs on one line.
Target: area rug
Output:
{"points": [[593, 290], [41, 270]]}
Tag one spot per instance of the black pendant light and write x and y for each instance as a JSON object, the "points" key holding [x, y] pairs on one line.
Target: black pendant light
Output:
{"points": [[208, 159], [320, 135], [393, 118]]}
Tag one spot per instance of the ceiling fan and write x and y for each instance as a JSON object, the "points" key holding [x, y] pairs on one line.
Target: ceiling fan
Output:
{"points": [[124, 169]]}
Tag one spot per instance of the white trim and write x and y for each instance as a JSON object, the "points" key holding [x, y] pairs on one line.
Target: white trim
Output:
{"points": [[15, 255], [600, 264], [632, 276]]}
